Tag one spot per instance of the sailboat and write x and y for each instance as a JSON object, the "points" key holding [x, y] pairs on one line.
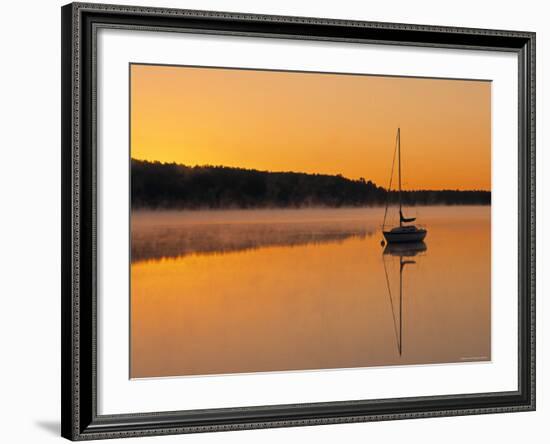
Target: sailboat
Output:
{"points": [[401, 233]]}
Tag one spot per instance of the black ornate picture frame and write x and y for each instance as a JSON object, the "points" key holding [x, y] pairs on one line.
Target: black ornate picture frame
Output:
{"points": [[80, 419]]}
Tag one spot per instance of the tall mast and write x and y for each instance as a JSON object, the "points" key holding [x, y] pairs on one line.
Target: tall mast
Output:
{"points": [[399, 160], [401, 265]]}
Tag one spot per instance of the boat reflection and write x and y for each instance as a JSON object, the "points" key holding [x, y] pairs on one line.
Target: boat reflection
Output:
{"points": [[404, 251], [410, 249]]}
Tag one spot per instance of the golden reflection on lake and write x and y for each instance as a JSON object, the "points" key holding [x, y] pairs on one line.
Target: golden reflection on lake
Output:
{"points": [[219, 292]]}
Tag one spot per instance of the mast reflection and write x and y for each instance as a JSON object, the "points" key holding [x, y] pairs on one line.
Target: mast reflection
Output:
{"points": [[404, 251]]}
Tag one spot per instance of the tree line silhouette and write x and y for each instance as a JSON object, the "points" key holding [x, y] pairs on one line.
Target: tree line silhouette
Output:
{"points": [[159, 185]]}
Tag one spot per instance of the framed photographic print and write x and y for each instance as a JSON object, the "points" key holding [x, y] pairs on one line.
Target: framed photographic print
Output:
{"points": [[280, 221]]}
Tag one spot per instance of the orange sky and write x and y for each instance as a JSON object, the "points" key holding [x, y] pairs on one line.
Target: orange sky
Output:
{"points": [[315, 123]]}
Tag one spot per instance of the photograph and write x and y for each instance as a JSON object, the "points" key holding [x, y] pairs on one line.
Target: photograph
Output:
{"points": [[275, 222], [300, 220], [277, 218]]}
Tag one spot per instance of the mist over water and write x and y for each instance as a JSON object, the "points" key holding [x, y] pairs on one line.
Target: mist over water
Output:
{"points": [[233, 291], [170, 234]]}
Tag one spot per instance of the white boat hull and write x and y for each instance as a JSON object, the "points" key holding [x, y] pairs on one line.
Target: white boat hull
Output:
{"points": [[405, 236]]}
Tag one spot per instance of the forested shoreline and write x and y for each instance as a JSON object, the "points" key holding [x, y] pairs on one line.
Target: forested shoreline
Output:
{"points": [[157, 185]]}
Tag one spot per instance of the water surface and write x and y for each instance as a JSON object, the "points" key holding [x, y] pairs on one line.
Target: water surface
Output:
{"points": [[216, 292]]}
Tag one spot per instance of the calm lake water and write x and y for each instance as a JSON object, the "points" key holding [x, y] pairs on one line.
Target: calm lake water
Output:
{"points": [[216, 292]]}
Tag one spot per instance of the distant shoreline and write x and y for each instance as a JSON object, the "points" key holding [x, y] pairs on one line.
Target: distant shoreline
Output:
{"points": [[163, 186], [313, 208]]}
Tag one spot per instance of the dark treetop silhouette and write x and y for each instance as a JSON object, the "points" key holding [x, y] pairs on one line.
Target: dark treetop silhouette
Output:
{"points": [[157, 185]]}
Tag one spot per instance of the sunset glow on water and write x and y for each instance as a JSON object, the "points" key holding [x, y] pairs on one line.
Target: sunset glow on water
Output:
{"points": [[275, 290]]}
